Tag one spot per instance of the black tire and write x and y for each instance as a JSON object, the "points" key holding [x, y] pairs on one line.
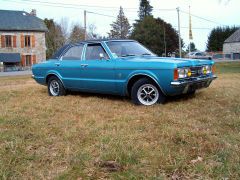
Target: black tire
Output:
{"points": [[139, 97], [61, 90], [191, 92]]}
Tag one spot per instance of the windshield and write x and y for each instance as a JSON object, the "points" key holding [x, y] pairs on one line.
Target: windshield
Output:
{"points": [[128, 48]]}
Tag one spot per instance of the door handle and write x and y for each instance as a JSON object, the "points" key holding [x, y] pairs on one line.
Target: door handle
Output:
{"points": [[57, 64], [84, 65]]}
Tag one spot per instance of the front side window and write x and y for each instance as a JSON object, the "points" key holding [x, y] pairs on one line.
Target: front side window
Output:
{"points": [[74, 53], [27, 41], [95, 51], [128, 48], [8, 40]]}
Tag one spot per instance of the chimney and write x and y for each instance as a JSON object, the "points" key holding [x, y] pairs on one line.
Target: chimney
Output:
{"points": [[33, 12]]}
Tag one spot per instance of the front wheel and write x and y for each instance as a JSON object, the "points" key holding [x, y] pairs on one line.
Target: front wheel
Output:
{"points": [[191, 92], [145, 92], [55, 87]]}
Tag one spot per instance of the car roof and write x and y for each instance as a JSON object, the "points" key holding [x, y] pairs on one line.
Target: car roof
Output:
{"points": [[61, 50], [101, 40]]}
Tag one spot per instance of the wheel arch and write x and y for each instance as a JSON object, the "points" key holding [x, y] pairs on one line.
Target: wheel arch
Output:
{"points": [[134, 78], [51, 74]]}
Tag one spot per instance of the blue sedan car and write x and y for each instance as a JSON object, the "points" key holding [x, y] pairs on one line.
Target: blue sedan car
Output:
{"points": [[122, 67]]}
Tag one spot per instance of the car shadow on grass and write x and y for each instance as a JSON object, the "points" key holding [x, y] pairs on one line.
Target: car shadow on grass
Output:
{"points": [[98, 95], [169, 99], [182, 97]]}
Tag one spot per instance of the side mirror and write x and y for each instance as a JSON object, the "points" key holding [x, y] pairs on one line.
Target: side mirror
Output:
{"points": [[101, 56]]}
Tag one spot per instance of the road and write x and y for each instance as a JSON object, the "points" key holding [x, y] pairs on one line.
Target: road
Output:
{"points": [[15, 73]]}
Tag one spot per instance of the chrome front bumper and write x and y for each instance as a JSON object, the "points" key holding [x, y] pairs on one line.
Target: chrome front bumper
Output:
{"points": [[197, 80]]}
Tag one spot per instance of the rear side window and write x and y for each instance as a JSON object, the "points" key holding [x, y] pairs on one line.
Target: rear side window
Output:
{"points": [[93, 52], [74, 53]]}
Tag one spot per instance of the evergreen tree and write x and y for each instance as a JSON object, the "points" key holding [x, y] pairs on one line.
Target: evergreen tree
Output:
{"points": [[150, 32], [145, 9], [218, 36], [77, 34], [120, 28], [54, 37], [193, 47]]}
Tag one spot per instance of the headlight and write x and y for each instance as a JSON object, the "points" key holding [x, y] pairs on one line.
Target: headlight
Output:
{"points": [[181, 73], [206, 69]]}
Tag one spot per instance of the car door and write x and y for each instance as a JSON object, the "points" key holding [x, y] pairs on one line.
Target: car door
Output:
{"points": [[69, 67], [98, 69]]}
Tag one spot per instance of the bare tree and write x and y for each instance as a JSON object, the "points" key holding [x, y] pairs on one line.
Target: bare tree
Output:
{"points": [[77, 33], [91, 33], [64, 24]]}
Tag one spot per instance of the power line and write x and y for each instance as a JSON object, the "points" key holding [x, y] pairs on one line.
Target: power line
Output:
{"points": [[201, 28], [202, 18], [107, 15], [75, 6], [50, 5], [89, 6]]}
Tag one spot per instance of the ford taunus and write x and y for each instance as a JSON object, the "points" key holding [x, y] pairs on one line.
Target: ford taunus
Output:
{"points": [[122, 67]]}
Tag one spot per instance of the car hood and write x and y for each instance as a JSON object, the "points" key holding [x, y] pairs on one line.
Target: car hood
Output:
{"points": [[177, 62]]}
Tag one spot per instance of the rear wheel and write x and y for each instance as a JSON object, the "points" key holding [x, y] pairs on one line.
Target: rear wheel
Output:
{"points": [[55, 87], [145, 92]]}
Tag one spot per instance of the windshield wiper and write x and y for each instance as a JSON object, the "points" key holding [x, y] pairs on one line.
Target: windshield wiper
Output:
{"points": [[126, 55]]}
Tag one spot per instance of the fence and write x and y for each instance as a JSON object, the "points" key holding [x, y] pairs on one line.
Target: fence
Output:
{"points": [[220, 55], [8, 68]]}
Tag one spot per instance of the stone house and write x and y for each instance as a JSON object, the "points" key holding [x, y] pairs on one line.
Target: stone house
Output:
{"points": [[231, 46], [22, 40]]}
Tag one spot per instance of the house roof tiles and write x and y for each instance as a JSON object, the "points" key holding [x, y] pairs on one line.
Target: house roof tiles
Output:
{"points": [[20, 21], [235, 37]]}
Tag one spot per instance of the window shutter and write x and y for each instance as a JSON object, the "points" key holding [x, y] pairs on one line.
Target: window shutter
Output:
{"points": [[34, 59], [15, 41], [2, 41], [23, 60], [33, 40], [22, 41]]}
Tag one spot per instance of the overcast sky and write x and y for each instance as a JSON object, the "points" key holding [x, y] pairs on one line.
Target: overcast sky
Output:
{"points": [[221, 12]]}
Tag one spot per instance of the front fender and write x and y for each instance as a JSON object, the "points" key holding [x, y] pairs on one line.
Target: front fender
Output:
{"points": [[147, 73]]}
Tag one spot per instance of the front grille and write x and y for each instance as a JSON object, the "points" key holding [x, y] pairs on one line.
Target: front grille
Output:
{"points": [[196, 71]]}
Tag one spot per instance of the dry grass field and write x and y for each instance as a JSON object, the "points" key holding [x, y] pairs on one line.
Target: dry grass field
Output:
{"points": [[85, 136]]}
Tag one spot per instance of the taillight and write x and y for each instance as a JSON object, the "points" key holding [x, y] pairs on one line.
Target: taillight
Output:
{"points": [[175, 77]]}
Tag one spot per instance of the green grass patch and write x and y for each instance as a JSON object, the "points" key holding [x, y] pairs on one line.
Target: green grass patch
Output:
{"points": [[228, 67]]}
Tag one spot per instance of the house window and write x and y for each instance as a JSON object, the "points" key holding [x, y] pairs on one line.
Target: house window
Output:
{"points": [[27, 41], [8, 40], [28, 60]]}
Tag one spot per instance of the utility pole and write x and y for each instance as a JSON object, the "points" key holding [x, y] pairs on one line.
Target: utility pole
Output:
{"points": [[179, 34], [85, 25], [190, 30]]}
